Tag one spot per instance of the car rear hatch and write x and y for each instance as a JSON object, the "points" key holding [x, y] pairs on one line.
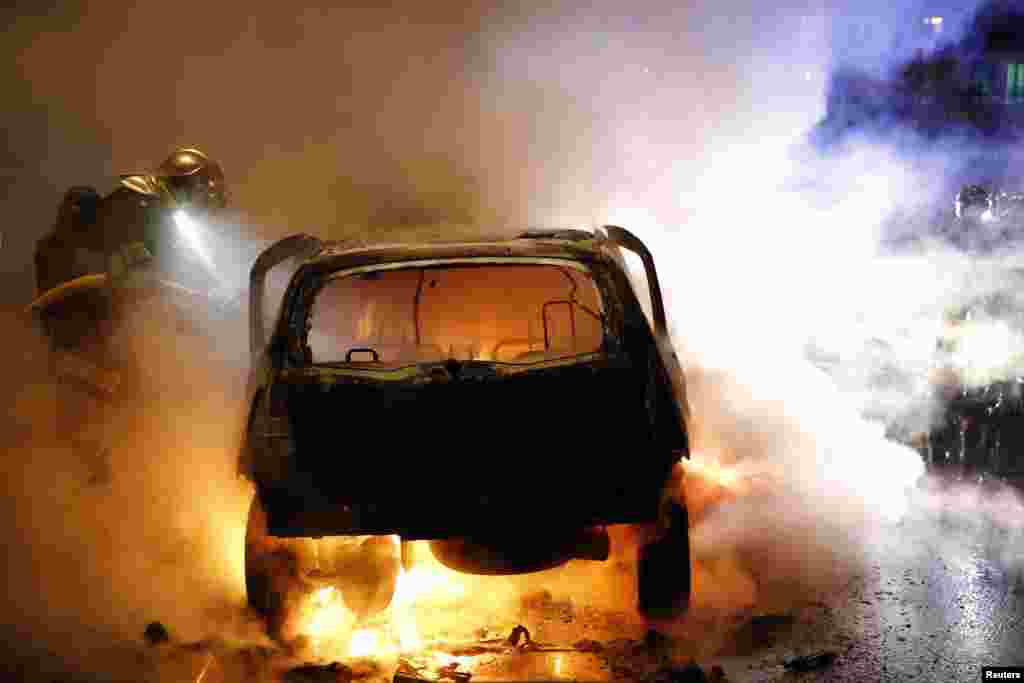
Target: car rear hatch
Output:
{"points": [[472, 448]]}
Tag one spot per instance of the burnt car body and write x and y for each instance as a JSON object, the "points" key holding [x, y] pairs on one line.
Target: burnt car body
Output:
{"points": [[504, 400]]}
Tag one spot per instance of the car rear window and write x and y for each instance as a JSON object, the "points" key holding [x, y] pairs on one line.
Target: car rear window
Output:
{"points": [[506, 312]]}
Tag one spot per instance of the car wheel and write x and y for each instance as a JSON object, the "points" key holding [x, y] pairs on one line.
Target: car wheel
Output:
{"points": [[664, 575]]}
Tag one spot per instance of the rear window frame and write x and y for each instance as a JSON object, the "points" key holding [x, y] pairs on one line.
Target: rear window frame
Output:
{"points": [[308, 291]]}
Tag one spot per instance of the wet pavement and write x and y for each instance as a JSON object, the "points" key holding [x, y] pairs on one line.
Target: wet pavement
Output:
{"points": [[924, 611]]}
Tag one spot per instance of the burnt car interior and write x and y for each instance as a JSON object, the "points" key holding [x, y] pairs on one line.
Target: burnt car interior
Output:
{"points": [[508, 313]]}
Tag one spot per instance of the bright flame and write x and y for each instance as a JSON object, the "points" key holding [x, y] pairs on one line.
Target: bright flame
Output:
{"points": [[331, 625], [328, 615], [324, 596], [713, 471], [427, 581], [403, 621], [558, 665], [364, 643]]}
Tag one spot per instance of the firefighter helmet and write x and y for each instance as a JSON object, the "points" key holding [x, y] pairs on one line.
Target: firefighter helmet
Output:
{"points": [[193, 178]]}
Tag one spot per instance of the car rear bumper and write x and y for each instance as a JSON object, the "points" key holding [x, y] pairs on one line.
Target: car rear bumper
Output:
{"points": [[435, 515]]}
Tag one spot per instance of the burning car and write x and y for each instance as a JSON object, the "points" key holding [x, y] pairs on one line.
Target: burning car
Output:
{"points": [[504, 400]]}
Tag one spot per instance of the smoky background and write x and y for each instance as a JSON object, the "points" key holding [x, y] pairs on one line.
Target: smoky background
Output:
{"points": [[687, 124]]}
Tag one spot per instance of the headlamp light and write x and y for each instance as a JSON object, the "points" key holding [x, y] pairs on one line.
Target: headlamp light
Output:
{"points": [[190, 230]]}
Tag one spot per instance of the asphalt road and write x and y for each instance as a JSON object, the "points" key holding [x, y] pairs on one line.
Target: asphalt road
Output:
{"points": [[925, 610]]}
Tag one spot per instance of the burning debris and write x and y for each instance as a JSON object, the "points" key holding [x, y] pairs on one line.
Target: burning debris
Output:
{"points": [[519, 632]]}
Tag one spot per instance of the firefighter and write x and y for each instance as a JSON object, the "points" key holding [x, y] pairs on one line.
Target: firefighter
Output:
{"points": [[137, 222], [129, 235], [131, 225]]}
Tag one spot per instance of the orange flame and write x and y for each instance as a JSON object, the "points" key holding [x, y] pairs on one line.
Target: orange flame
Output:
{"points": [[332, 626], [712, 470]]}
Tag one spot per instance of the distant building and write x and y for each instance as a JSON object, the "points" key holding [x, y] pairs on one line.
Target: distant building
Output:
{"points": [[932, 65], [995, 49]]}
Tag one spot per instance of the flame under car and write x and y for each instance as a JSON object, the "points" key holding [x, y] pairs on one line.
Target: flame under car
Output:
{"points": [[505, 400]]}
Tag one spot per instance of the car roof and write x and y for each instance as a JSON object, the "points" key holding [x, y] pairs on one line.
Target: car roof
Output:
{"points": [[567, 244]]}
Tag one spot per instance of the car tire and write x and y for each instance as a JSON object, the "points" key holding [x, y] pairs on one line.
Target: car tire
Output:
{"points": [[664, 573]]}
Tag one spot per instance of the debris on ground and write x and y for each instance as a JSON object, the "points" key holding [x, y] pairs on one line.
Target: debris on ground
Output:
{"points": [[543, 606], [473, 650], [451, 673], [535, 600], [757, 633], [335, 672], [520, 640], [407, 678], [771, 620], [403, 677], [656, 640], [587, 645], [406, 667], [811, 662], [691, 673], [518, 633], [156, 634]]}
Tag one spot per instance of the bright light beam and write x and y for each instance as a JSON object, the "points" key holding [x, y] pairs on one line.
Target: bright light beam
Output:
{"points": [[189, 229]]}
